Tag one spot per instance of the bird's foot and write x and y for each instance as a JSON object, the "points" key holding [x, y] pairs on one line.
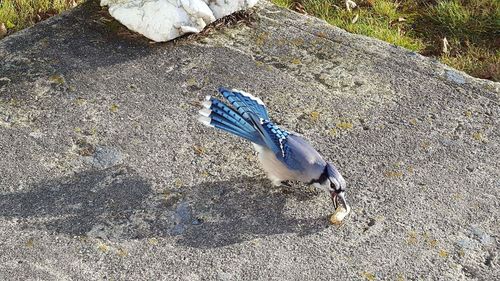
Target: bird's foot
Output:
{"points": [[281, 183]]}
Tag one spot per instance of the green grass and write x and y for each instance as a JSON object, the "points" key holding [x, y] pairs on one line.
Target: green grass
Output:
{"points": [[19, 14], [472, 27], [477, 61]]}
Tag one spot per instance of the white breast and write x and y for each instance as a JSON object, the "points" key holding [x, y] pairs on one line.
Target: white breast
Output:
{"points": [[275, 169]]}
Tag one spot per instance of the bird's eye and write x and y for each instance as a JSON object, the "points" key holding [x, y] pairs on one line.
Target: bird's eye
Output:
{"points": [[335, 187]]}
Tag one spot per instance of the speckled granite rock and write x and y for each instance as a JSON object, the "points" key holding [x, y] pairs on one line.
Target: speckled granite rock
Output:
{"points": [[106, 173]]}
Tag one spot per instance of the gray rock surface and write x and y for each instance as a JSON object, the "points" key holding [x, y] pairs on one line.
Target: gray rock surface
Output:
{"points": [[106, 174]]}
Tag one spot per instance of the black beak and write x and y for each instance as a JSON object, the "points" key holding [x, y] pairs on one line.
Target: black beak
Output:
{"points": [[339, 199], [334, 199]]}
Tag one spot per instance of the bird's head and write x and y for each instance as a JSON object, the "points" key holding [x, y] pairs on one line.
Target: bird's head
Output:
{"points": [[333, 182]]}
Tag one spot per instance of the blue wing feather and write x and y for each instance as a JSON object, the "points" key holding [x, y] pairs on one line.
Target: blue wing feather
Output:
{"points": [[290, 149], [273, 136]]}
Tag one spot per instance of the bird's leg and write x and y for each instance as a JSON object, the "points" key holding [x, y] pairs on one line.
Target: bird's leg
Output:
{"points": [[286, 187]]}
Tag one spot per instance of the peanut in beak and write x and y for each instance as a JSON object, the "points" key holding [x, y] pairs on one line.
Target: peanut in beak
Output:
{"points": [[342, 209]]}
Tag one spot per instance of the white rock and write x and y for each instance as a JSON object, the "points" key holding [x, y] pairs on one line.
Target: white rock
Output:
{"points": [[222, 8], [163, 20], [349, 4]]}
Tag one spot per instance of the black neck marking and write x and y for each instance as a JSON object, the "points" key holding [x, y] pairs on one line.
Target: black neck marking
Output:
{"points": [[322, 178]]}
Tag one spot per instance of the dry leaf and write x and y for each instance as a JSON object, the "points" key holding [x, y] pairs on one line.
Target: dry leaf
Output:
{"points": [[3, 30], [199, 150], [298, 7], [355, 19], [400, 19], [446, 46], [45, 14]]}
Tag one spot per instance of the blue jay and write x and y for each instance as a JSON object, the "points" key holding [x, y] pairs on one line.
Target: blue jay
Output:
{"points": [[285, 156]]}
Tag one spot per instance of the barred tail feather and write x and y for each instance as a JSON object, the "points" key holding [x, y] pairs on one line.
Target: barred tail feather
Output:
{"points": [[245, 102], [205, 120], [221, 109], [216, 114]]}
